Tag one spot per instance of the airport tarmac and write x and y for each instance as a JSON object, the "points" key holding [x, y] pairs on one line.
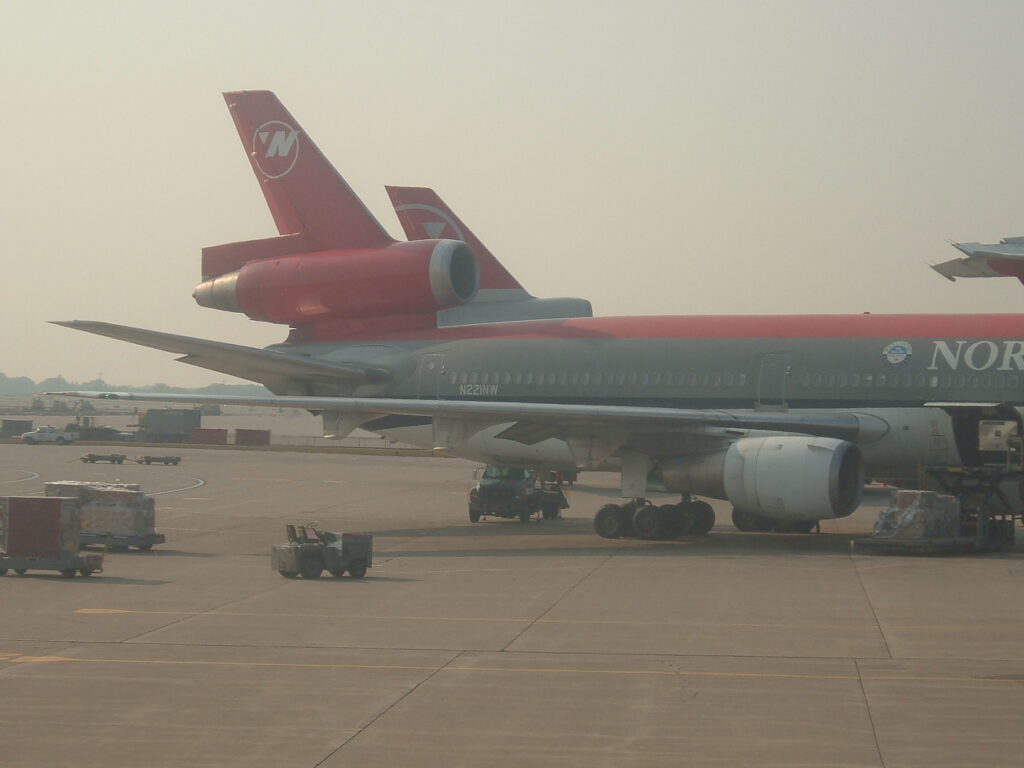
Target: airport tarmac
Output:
{"points": [[496, 643]]}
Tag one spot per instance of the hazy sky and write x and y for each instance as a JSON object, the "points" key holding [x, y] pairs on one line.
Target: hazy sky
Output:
{"points": [[654, 157]]}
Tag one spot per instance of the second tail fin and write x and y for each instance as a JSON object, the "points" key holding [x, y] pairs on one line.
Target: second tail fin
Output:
{"points": [[425, 216]]}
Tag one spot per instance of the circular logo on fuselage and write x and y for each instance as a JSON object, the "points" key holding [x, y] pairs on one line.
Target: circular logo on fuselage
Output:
{"points": [[897, 352], [275, 148]]}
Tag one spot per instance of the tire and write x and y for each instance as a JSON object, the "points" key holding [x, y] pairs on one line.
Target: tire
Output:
{"points": [[289, 574], [85, 571], [3, 571], [474, 515], [21, 571], [649, 523], [337, 572], [750, 522], [608, 522], [312, 566], [61, 441], [358, 569], [703, 518], [30, 441], [145, 547], [524, 515], [550, 512], [801, 526], [67, 573]]}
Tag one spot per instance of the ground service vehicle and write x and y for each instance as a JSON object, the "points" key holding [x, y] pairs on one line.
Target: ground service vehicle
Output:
{"points": [[514, 492], [49, 435], [113, 458], [309, 555], [173, 460]]}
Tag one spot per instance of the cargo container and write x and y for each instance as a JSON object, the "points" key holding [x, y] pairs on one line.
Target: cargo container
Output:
{"points": [[119, 515], [167, 425], [252, 437], [209, 436], [42, 533]]}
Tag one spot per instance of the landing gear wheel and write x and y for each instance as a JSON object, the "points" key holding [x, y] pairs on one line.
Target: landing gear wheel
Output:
{"points": [[649, 523], [289, 574], [145, 547], [85, 571], [549, 513], [3, 571], [67, 573], [474, 515], [750, 522], [678, 520], [21, 571], [337, 572], [524, 515], [703, 518], [311, 567], [795, 526], [358, 569], [609, 523]]}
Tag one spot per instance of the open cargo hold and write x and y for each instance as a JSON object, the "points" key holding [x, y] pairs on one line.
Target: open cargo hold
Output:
{"points": [[118, 514]]}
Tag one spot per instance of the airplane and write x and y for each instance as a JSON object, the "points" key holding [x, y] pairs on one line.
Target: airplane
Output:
{"points": [[783, 416], [424, 215], [1002, 259]]}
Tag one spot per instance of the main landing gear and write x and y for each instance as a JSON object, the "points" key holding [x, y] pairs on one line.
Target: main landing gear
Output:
{"points": [[643, 520]]}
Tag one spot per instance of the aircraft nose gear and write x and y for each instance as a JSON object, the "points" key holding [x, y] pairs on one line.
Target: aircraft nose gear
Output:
{"points": [[644, 520]]}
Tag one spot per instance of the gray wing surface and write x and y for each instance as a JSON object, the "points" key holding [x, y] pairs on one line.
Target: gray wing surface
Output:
{"points": [[272, 369], [532, 422]]}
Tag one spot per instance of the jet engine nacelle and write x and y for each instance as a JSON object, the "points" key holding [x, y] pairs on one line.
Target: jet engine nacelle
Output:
{"points": [[783, 477], [405, 278]]}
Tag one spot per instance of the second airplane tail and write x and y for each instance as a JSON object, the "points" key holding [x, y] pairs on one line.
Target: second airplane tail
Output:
{"points": [[425, 216]]}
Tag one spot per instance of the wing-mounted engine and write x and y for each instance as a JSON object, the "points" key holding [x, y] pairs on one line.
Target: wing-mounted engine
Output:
{"points": [[414, 279], [784, 477]]}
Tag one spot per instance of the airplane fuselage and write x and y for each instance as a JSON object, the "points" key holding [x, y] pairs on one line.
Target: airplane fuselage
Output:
{"points": [[887, 367]]}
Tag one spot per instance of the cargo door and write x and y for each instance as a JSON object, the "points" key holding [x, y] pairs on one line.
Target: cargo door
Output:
{"points": [[771, 381], [431, 373]]}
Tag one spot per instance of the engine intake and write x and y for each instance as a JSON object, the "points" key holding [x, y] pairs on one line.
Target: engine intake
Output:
{"points": [[784, 477], [410, 278]]}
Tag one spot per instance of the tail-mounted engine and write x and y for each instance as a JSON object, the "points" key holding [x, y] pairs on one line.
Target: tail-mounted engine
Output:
{"points": [[412, 278]]}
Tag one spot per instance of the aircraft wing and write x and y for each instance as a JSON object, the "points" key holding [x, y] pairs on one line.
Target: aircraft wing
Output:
{"points": [[272, 369], [532, 422]]}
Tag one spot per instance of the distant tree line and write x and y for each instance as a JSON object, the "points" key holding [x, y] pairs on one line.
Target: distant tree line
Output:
{"points": [[24, 386]]}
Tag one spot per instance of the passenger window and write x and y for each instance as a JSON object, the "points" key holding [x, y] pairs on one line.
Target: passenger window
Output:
{"points": [[586, 379], [474, 377], [518, 377]]}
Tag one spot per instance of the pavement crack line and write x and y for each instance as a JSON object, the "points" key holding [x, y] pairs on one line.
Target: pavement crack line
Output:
{"points": [[867, 708], [362, 729], [558, 602], [871, 605]]}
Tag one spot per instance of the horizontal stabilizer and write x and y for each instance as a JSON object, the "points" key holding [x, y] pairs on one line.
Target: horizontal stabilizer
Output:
{"points": [[1003, 259], [274, 370]]}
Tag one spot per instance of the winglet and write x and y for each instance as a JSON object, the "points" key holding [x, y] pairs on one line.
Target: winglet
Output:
{"points": [[303, 190]]}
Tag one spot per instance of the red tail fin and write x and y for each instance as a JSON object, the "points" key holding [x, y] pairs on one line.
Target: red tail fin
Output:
{"points": [[425, 216], [305, 193]]}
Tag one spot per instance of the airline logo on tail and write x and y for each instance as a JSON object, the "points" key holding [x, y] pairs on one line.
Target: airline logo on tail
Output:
{"points": [[434, 229], [275, 148]]}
